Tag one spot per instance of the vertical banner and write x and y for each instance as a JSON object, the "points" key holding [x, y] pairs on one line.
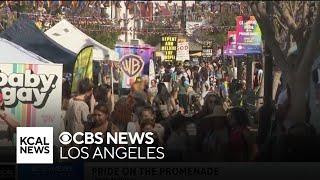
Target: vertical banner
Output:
{"points": [[248, 35], [183, 51], [169, 47], [152, 73], [32, 95], [137, 53], [207, 47], [231, 47], [83, 67], [232, 39]]}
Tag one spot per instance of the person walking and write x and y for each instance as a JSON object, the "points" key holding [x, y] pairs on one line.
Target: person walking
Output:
{"points": [[183, 95], [78, 109]]}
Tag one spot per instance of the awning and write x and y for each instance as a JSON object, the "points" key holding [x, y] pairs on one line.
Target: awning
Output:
{"points": [[71, 38]]}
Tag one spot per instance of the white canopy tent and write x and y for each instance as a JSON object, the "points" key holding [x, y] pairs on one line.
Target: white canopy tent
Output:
{"points": [[71, 38], [12, 53]]}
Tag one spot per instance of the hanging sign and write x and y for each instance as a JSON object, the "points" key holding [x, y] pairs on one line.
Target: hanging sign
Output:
{"points": [[207, 49], [248, 35], [169, 47], [183, 51], [231, 48]]}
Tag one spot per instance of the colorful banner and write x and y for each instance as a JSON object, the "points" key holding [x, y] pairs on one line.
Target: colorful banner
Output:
{"points": [[183, 51], [145, 52], [248, 36], [83, 67], [232, 39], [231, 48], [32, 95], [169, 47]]}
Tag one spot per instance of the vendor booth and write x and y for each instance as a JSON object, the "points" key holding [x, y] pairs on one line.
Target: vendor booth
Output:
{"points": [[29, 84], [26, 34], [71, 38]]}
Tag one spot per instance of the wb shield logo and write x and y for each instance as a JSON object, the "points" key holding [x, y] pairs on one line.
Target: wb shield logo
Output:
{"points": [[132, 64]]}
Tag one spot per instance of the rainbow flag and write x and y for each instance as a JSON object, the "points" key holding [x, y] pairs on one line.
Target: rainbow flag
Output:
{"points": [[28, 98]]}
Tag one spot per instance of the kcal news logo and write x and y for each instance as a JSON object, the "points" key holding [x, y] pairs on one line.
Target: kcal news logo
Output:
{"points": [[34, 145]]}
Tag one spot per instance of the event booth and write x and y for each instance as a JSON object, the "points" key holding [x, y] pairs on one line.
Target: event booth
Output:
{"points": [[29, 84], [71, 38], [26, 34]]}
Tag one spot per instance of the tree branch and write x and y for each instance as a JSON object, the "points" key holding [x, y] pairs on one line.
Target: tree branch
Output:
{"points": [[279, 21], [285, 14], [310, 52], [283, 10], [266, 27], [303, 32], [288, 44], [292, 7], [305, 12]]}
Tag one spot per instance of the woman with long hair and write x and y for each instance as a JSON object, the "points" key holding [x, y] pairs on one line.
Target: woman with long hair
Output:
{"points": [[122, 113], [103, 95], [102, 122], [210, 101], [162, 102]]}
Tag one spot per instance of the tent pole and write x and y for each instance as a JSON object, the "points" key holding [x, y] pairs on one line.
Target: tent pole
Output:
{"points": [[2, 27], [100, 75], [112, 95]]}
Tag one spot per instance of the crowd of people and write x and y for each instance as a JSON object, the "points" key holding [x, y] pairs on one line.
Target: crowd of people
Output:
{"points": [[188, 109], [197, 113]]}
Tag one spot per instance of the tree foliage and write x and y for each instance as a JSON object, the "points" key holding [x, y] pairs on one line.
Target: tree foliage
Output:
{"points": [[290, 24], [108, 39], [218, 37], [286, 26], [151, 37]]}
